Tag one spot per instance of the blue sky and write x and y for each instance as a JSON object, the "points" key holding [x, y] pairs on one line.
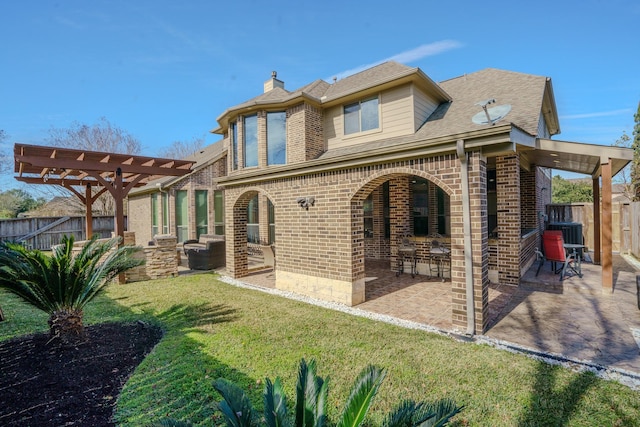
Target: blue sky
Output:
{"points": [[164, 70]]}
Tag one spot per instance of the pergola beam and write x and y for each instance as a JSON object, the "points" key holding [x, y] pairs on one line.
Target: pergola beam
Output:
{"points": [[116, 173]]}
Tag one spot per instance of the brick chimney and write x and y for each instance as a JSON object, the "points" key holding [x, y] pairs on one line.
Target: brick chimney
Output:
{"points": [[273, 83]]}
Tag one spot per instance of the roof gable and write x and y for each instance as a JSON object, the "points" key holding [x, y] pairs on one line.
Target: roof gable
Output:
{"points": [[523, 92]]}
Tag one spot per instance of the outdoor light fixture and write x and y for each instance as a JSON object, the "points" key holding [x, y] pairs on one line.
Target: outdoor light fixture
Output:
{"points": [[305, 202]]}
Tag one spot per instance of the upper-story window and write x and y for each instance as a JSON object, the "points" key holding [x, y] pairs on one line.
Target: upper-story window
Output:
{"points": [[361, 116], [250, 149], [277, 138], [234, 146]]}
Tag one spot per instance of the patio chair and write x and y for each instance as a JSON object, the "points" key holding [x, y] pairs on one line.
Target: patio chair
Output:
{"points": [[268, 252], [212, 255], [439, 256], [554, 251], [407, 252]]}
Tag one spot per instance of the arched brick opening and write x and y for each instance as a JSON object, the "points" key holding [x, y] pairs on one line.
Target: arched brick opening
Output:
{"points": [[236, 220], [444, 172], [399, 179]]}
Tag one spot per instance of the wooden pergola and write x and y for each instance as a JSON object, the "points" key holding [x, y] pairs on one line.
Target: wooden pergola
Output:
{"points": [[82, 169]]}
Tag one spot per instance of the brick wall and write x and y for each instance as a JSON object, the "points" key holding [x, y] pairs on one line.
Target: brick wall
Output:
{"points": [[139, 218], [304, 133], [314, 246]]}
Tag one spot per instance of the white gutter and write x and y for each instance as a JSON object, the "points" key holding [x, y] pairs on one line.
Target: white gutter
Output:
{"points": [[466, 226]]}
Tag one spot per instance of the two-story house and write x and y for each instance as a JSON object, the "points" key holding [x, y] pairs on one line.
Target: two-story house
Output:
{"points": [[336, 173]]}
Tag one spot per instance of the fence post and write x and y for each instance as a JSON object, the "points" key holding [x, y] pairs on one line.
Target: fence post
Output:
{"points": [[638, 289]]}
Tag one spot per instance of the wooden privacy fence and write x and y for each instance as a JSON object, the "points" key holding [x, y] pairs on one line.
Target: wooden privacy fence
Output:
{"points": [[625, 223], [43, 232], [634, 220]]}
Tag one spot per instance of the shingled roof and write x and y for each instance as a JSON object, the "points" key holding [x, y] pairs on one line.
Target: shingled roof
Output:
{"points": [[524, 92], [204, 157], [322, 92]]}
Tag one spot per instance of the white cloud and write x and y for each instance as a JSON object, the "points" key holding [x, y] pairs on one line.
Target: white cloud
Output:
{"points": [[429, 49], [597, 114]]}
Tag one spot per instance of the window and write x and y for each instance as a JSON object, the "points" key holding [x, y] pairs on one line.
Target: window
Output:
{"points": [[218, 212], [372, 214], [253, 221], [272, 222], [182, 216], [386, 210], [420, 190], [367, 207], [250, 141], [165, 213], [442, 212], [202, 213], [234, 146], [361, 116], [154, 214], [277, 138]]}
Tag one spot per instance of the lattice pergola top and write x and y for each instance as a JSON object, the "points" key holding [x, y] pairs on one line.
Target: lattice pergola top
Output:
{"points": [[36, 164]]}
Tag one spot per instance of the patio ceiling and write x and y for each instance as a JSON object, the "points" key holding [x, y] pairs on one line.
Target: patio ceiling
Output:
{"points": [[578, 157]]}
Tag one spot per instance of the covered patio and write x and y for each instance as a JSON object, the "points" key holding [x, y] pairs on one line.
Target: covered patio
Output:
{"points": [[570, 319]]}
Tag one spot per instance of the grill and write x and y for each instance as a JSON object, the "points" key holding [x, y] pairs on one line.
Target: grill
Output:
{"points": [[571, 231]]}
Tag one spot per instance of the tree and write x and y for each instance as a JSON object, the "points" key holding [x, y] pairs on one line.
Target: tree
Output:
{"points": [[311, 402], [624, 176], [182, 149], [5, 157], [565, 191], [635, 164], [15, 201], [101, 136], [63, 283]]}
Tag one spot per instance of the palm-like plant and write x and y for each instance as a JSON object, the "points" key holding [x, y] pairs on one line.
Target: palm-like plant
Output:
{"points": [[63, 283], [311, 398]]}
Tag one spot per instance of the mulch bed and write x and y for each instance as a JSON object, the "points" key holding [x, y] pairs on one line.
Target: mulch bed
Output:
{"points": [[56, 385]]}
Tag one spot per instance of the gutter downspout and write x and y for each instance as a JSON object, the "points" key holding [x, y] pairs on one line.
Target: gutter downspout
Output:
{"points": [[468, 249]]}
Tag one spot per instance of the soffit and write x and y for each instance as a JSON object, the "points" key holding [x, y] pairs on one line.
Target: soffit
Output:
{"points": [[577, 157]]}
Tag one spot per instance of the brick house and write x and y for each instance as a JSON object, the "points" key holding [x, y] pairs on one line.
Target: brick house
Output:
{"points": [[336, 173]]}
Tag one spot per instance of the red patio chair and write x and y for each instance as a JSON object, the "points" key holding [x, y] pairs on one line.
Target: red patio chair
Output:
{"points": [[554, 251]]}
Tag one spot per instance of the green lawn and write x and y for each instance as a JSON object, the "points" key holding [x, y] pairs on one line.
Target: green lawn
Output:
{"points": [[217, 330]]}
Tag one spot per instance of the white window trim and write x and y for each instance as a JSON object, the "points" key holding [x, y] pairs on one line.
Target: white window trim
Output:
{"points": [[366, 132]]}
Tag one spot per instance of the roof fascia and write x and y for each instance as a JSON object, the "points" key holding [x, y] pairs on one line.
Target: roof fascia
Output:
{"points": [[415, 76], [549, 109], [225, 118]]}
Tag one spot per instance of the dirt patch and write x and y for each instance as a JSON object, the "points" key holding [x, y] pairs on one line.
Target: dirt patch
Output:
{"points": [[54, 385]]}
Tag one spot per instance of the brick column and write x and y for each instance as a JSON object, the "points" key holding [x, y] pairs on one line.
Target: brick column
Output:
{"points": [[509, 226], [480, 239], [262, 139], [400, 214], [263, 217], [236, 237]]}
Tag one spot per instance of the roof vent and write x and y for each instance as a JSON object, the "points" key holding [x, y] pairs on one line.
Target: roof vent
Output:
{"points": [[490, 115], [273, 83]]}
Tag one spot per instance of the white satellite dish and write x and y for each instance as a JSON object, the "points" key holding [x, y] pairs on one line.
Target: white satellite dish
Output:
{"points": [[491, 115]]}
